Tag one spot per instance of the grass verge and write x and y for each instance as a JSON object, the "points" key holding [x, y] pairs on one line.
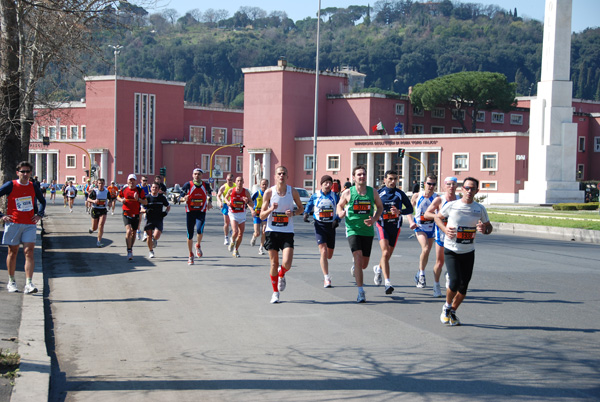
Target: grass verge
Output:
{"points": [[547, 220]]}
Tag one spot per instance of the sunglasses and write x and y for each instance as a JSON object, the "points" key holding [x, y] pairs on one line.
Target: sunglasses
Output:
{"points": [[24, 171], [431, 184], [467, 188]]}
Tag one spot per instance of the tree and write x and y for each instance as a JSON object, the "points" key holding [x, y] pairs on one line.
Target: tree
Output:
{"points": [[470, 91]]}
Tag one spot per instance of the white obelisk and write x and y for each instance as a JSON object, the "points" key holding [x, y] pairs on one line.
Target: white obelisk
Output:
{"points": [[552, 133]]}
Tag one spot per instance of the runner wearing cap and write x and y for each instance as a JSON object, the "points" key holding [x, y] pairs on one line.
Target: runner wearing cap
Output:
{"points": [[237, 200], [146, 188], [131, 197], [196, 194], [98, 198], [436, 206], [229, 184]]}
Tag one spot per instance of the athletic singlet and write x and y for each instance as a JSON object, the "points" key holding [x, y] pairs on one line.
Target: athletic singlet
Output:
{"points": [[21, 202], [422, 205], [236, 200], [197, 198], [100, 196], [113, 191], [464, 217], [52, 188], [71, 191], [145, 189], [391, 197], [360, 207], [227, 187], [278, 221], [258, 199], [324, 209], [131, 207]]}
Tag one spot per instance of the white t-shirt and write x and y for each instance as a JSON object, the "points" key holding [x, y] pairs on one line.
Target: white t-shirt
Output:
{"points": [[464, 217]]}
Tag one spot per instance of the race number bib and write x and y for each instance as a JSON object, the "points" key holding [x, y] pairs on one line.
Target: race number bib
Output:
{"points": [[362, 207], [326, 214], [280, 219], [24, 204], [465, 235]]}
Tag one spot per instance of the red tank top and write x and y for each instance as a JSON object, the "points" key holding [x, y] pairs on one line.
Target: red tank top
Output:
{"points": [[197, 198], [131, 207], [237, 200], [20, 202]]}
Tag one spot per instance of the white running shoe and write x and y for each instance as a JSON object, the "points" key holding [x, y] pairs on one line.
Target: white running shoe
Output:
{"points": [[253, 241], [261, 250], [139, 235], [11, 286], [130, 255], [275, 298], [361, 297], [30, 288], [281, 283], [99, 244], [420, 280], [231, 246], [191, 260], [226, 242], [377, 279], [145, 236], [437, 291], [198, 251], [151, 254], [327, 283], [236, 254]]}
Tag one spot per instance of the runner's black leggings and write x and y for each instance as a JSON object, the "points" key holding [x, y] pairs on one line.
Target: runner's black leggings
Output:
{"points": [[460, 270]]}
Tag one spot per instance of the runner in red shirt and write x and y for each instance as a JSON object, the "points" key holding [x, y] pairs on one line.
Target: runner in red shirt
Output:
{"points": [[237, 199], [131, 197]]}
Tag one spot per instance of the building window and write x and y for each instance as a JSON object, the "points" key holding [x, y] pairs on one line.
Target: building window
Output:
{"points": [[581, 144], [198, 134], [52, 132], [458, 113], [489, 185], [70, 178], [400, 109], [580, 171], [437, 129], [516, 119], [63, 132], [479, 130], [83, 132], [83, 161], [71, 161], [460, 161], [308, 184], [480, 116], [74, 133], [457, 130], [219, 135], [223, 162], [239, 162], [497, 117], [308, 162], [333, 162], [417, 111], [418, 129], [205, 161], [438, 113], [238, 136], [41, 133], [489, 161], [596, 144]]}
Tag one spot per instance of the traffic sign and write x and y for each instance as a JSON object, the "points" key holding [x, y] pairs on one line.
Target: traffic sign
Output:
{"points": [[211, 180]]}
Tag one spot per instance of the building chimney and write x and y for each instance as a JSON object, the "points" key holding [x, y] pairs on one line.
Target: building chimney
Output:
{"points": [[282, 62]]}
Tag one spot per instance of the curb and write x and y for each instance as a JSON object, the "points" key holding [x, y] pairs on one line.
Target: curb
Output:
{"points": [[33, 382], [548, 232]]}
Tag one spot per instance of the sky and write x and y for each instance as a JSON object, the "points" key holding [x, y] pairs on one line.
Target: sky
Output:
{"points": [[585, 12]]}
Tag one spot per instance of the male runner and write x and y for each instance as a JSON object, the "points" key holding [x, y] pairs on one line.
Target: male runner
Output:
{"points": [[360, 219], [131, 197], [196, 195], [112, 192], [259, 224], [465, 217], [162, 188], [154, 216], [223, 190], [389, 225], [86, 193], [278, 209], [423, 227], [432, 211], [53, 188], [237, 200], [323, 204], [146, 188], [98, 199], [20, 221], [71, 192]]}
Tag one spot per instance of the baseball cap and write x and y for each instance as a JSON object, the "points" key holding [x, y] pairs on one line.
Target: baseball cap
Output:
{"points": [[451, 178], [198, 170], [132, 176]]}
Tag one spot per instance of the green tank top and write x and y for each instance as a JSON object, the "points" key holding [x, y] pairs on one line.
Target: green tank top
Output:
{"points": [[360, 207]]}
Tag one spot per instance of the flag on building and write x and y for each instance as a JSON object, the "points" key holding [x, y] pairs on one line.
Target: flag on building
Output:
{"points": [[378, 127]]}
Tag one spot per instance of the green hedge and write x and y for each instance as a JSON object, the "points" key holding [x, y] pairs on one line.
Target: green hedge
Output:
{"points": [[590, 206]]}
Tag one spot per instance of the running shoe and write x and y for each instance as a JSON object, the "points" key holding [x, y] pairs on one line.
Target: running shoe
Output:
{"points": [[70, 210], [361, 297], [191, 260], [437, 291], [154, 243], [90, 231], [226, 242], [261, 250], [231, 246], [198, 251], [275, 298], [130, 255], [236, 254], [377, 279], [145, 236], [352, 271], [454, 321], [30, 288], [11, 286], [99, 244], [389, 289], [139, 235], [445, 316], [253, 241], [281, 283], [151, 254], [112, 212], [327, 283], [420, 280]]}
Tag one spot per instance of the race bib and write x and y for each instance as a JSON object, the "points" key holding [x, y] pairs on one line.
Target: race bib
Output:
{"points": [[280, 219], [362, 207], [100, 203], [197, 203], [424, 221], [326, 214], [24, 204], [465, 235]]}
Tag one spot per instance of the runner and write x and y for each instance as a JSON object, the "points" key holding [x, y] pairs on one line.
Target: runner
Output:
{"points": [[22, 216], [259, 224], [389, 225], [113, 190], [71, 193], [423, 227], [360, 199], [154, 216], [146, 188], [98, 199], [44, 187], [238, 198], [465, 218], [196, 195], [162, 188], [53, 188], [65, 194], [432, 211], [223, 205], [278, 209], [131, 197], [86, 192], [322, 205]]}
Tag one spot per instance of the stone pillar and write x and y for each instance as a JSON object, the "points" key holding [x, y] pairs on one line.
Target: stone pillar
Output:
{"points": [[387, 162], [424, 160], [406, 184], [552, 133], [38, 166], [267, 166], [49, 167], [370, 168], [104, 166]]}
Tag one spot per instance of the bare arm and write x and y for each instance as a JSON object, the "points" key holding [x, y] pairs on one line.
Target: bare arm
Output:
{"points": [[266, 210], [344, 199], [430, 214]]}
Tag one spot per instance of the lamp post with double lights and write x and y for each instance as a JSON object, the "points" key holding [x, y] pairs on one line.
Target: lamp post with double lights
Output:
{"points": [[117, 50]]}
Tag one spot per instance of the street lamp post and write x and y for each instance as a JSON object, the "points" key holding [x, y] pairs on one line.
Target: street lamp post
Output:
{"points": [[117, 50], [316, 126]]}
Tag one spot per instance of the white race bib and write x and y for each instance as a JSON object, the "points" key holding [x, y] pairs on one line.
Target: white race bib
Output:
{"points": [[24, 204]]}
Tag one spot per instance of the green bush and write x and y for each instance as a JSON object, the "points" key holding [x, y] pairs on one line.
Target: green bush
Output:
{"points": [[590, 206]]}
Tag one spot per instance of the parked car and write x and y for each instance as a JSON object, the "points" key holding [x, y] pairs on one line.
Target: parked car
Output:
{"points": [[304, 195]]}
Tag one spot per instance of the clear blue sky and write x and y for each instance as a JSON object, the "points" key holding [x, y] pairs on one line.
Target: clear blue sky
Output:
{"points": [[585, 12]]}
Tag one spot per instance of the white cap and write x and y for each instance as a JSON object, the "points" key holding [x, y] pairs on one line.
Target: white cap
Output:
{"points": [[451, 178], [198, 170], [131, 176]]}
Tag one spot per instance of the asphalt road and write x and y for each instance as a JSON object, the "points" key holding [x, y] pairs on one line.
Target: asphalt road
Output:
{"points": [[160, 330]]}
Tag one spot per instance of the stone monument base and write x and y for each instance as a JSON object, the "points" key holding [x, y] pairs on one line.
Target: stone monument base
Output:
{"points": [[551, 192]]}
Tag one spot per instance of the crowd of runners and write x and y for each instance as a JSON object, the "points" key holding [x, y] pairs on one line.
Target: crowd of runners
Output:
{"points": [[447, 219]]}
